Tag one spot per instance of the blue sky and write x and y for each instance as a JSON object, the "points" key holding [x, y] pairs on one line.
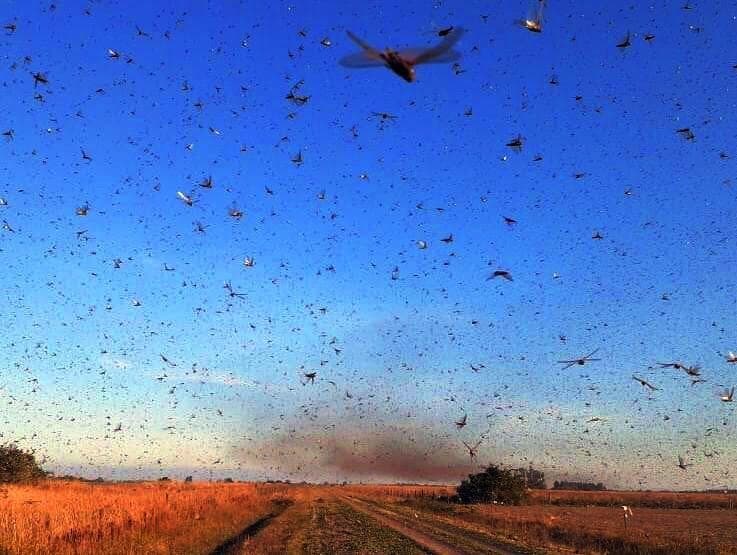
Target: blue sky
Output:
{"points": [[201, 92]]}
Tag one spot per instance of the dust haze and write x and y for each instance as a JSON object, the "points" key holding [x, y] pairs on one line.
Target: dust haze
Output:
{"points": [[393, 454]]}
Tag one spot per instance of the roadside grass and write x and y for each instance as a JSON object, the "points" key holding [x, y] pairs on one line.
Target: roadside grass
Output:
{"points": [[146, 517]]}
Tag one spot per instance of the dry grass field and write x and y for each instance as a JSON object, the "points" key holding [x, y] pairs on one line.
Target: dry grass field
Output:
{"points": [[150, 517], [654, 499], [589, 522], [215, 518]]}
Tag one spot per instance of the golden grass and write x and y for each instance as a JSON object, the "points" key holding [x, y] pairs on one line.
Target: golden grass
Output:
{"points": [[146, 517]]}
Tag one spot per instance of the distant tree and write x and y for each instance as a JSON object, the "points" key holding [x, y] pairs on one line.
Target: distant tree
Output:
{"points": [[494, 484], [188, 479], [582, 486], [534, 479], [228, 481], [164, 479], [17, 465]]}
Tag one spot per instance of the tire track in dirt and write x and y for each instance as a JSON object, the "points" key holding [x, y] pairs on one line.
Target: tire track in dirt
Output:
{"points": [[432, 537], [233, 545]]}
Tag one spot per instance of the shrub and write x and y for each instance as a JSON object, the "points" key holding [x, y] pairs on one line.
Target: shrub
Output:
{"points": [[17, 465], [494, 484]]}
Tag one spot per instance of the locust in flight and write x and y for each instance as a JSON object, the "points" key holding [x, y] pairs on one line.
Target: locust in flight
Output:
{"points": [[403, 62]]}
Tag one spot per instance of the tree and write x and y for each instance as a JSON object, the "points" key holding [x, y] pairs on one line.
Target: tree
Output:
{"points": [[188, 479], [534, 479], [494, 484], [17, 465]]}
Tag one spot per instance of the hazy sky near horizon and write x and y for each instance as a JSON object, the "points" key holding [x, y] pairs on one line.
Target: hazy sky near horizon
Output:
{"points": [[339, 285]]}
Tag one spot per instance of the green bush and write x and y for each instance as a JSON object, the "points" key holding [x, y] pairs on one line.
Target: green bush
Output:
{"points": [[494, 484], [17, 465]]}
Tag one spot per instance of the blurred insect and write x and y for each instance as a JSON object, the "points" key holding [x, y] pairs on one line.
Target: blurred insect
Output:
{"points": [[534, 20], [186, 199], [727, 396], [82, 210], [403, 62], [731, 357], [516, 143], [682, 465], [509, 221], [645, 383], [462, 422], [41, 78], [686, 133], [693, 370], [310, 376], [206, 183], [299, 100], [580, 361], [384, 116], [249, 262], [504, 274], [231, 292], [625, 42], [422, 245], [473, 451], [676, 365], [167, 361], [9, 135]]}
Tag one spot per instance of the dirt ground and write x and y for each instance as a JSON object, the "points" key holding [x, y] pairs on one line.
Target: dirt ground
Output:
{"points": [[339, 521]]}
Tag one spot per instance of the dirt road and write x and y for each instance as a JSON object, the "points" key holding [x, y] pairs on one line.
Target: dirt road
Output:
{"points": [[350, 525], [435, 537]]}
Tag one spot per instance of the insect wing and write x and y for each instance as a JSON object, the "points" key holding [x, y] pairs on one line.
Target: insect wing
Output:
{"points": [[434, 53], [417, 56], [361, 59]]}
